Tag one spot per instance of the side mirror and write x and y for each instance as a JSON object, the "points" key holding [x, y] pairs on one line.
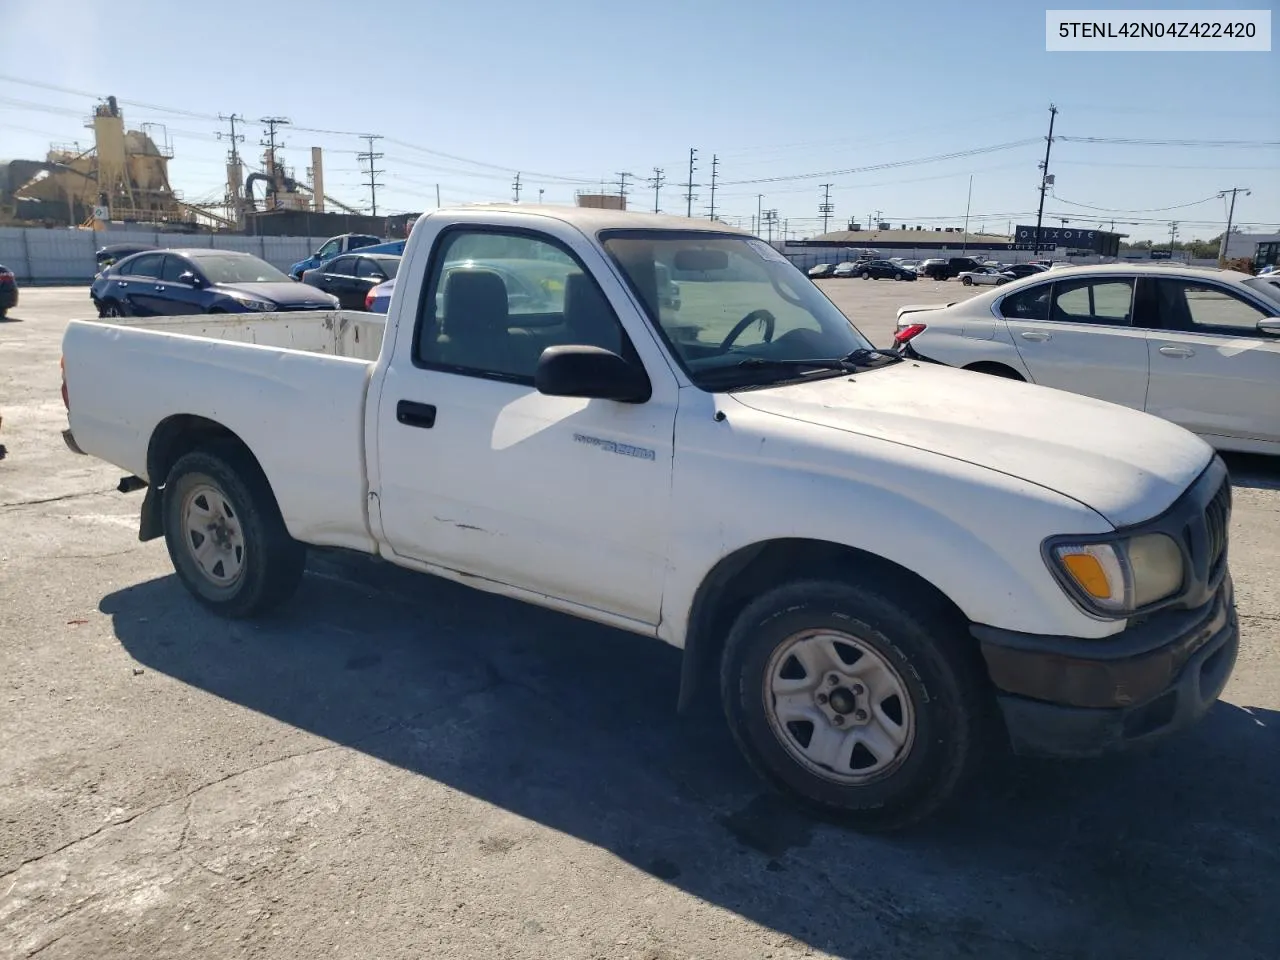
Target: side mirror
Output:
{"points": [[1269, 325], [582, 371], [189, 278]]}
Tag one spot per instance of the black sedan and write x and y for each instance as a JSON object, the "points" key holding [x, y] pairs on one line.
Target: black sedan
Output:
{"points": [[1017, 271], [8, 290], [173, 282], [884, 270], [351, 276]]}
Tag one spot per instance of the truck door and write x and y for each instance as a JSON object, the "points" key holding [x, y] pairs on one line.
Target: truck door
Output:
{"points": [[480, 473]]}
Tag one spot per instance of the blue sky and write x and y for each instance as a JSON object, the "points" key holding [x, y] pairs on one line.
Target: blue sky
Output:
{"points": [[572, 92]]}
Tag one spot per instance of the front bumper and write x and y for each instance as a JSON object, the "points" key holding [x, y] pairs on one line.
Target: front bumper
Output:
{"points": [[1069, 697]]}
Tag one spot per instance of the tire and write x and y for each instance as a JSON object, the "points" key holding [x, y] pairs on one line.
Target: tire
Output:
{"points": [[968, 281], [943, 703], [260, 565], [897, 276], [112, 309], [1001, 282], [866, 275]]}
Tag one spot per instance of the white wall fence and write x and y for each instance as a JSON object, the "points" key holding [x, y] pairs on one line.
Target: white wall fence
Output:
{"points": [[37, 255]]}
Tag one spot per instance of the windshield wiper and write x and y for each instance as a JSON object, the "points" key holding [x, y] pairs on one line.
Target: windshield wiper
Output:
{"points": [[818, 363], [860, 356]]}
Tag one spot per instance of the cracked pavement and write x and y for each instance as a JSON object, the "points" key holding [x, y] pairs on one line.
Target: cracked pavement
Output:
{"points": [[396, 766]]}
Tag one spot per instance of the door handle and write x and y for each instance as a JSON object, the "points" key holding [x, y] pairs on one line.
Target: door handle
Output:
{"points": [[1037, 335], [158, 287], [413, 414], [1172, 351]]}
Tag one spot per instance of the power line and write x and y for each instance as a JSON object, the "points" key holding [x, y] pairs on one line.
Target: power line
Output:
{"points": [[1178, 206], [1142, 142], [372, 172], [956, 155]]}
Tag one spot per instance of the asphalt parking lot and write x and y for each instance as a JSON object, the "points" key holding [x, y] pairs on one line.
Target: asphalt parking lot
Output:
{"points": [[401, 767]]}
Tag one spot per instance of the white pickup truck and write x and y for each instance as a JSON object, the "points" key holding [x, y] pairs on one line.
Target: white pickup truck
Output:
{"points": [[873, 562]]}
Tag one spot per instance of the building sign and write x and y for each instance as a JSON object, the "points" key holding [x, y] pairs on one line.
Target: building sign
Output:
{"points": [[1061, 236]]}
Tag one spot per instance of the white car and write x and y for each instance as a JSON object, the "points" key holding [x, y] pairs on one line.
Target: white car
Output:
{"points": [[989, 276], [1200, 347]]}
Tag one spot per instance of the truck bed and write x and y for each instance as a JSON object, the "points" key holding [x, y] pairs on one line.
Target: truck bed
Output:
{"points": [[339, 333], [291, 386]]}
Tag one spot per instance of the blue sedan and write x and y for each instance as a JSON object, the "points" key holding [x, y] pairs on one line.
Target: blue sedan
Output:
{"points": [[174, 282]]}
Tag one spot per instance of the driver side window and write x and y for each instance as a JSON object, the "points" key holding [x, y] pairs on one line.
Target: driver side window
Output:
{"points": [[330, 249]]}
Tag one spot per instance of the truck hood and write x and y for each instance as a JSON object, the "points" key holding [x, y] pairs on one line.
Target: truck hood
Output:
{"points": [[1126, 465]]}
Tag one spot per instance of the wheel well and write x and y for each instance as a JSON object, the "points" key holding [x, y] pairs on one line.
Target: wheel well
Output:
{"points": [[743, 575], [172, 439], [996, 370]]}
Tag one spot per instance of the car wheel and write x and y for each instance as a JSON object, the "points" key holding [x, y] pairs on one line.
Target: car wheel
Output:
{"points": [[112, 309], [866, 275], [856, 699], [968, 281], [897, 276], [225, 535], [1001, 282]]}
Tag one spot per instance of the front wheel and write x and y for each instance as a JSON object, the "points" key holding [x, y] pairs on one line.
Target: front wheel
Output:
{"points": [[866, 275], [225, 535], [853, 701], [968, 281]]}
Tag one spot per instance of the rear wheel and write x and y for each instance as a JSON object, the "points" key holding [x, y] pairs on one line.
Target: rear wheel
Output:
{"points": [[111, 308], [866, 275], [968, 281], [853, 701], [225, 535]]}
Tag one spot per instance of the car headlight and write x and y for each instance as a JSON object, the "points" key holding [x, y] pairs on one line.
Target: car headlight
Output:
{"points": [[1115, 578], [263, 305]]}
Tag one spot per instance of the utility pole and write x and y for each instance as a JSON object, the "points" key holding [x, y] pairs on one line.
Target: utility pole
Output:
{"points": [[1173, 233], [271, 145], [657, 181], [964, 247], [515, 187], [372, 171], [771, 218], [1226, 237], [1044, 173], [825, 208], [622, 187], [541, 191], [715, 169], [235, 171], [759, 203], [688, 197]]}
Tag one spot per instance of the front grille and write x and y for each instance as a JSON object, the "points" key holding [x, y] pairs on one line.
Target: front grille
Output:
{"points": [[1217, 517], [289, 307]]}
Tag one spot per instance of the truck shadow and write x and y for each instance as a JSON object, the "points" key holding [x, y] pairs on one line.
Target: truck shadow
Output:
{"points": [[572, 726]]}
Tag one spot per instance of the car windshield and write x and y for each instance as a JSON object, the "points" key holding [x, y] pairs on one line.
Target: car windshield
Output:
{"points": [[236, 268], [742, 307]]}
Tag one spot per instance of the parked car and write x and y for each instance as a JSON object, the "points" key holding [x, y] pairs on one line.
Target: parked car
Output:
{"points": [[1198, 347], [8, 290], [331, 248], [174, 282], [871, 573], [115, 252], [951, 267], [989, 276], [378, 300], [884, 270], [351, 276], [821, 270], [846, 269], [925, 267], [1016, 271]]}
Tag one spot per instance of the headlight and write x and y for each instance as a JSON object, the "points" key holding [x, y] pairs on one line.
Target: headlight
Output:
{"points": [[1117, 577], [263, 305]]}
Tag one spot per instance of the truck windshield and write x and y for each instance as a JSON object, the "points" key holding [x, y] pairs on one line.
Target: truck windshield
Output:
{"points": [[233, 268], [729, 305]]}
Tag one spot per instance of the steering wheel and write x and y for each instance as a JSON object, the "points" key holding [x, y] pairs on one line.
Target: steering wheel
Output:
{"points": [[755, 316]]}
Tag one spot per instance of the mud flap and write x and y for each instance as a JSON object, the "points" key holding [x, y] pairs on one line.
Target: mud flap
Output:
{"points": [[151, 522]]}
